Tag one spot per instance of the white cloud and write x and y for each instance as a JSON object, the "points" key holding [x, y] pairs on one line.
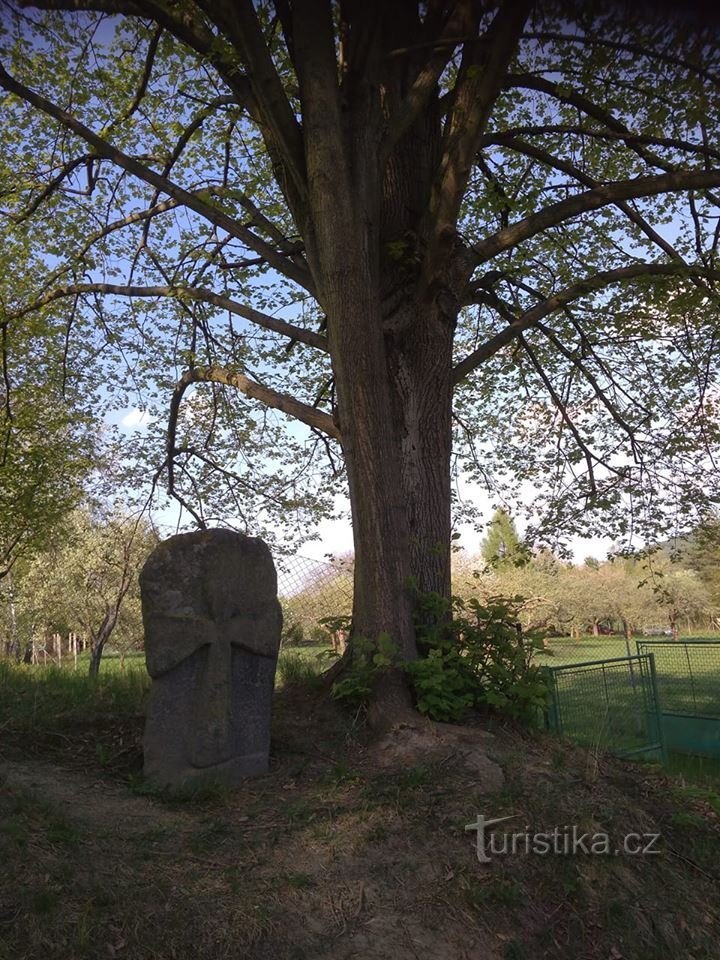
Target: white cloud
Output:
{"points": [[137, 418]]}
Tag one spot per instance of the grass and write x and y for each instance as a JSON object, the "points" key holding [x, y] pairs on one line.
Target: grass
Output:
{"points": [[702, 771], [563, 650], [39, 698], [302, 663], [48, 698], [337, 852]]}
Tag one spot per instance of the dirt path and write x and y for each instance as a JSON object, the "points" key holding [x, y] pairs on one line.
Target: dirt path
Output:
{"points": [[83, 797]]}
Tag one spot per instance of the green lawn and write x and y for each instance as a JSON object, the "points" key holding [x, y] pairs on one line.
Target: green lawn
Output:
{"points": [[50, 699], [562, 650]]}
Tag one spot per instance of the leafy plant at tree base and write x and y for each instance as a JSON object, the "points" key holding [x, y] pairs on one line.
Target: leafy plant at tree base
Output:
{"points": [[443, 684], [369, 659], [475, 656]]}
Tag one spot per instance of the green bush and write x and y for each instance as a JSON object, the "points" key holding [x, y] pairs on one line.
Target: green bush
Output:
{"points": [[474, 655]]}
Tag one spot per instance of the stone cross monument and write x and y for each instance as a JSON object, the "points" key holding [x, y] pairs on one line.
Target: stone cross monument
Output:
{"points": [[212, 634]]}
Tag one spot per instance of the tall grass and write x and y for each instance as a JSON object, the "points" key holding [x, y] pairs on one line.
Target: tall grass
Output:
{"points": [[300, 665], [36, 698]]}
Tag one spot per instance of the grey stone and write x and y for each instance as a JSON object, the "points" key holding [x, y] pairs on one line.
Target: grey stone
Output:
{"points": [[212, 634]]}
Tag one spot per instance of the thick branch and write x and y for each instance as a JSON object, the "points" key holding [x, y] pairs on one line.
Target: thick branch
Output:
{"points": [[186, 293], [563, 297], [308, 415], [239, 20], [530, 150], [329, 183], [592, 200], [482, 74], [426, 82], [289, 248]]}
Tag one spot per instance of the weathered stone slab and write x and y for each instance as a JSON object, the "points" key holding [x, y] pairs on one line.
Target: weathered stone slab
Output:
{"points": [[212, 634]]}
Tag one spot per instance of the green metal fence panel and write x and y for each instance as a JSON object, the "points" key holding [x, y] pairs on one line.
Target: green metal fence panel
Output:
{"points": [[699, 736], [609, 705], [688, 681]]}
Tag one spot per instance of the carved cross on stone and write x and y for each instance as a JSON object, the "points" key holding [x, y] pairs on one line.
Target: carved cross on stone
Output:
{"points": [[212, 625]]}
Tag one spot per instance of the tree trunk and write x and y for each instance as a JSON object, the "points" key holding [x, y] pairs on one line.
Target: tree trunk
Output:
{"points": [[13, 643], [396, 425], [98, 641], [420, 362], [391, 319]]}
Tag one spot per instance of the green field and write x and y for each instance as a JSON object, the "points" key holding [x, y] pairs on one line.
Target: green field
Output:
{"points": [[562, 650]]}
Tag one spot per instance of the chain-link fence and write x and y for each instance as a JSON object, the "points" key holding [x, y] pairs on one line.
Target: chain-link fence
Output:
{"points": [[309, 591], [688, 682], [609, 705]]}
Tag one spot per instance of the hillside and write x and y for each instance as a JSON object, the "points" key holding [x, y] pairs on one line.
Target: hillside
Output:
{"points": [[347, 849]]}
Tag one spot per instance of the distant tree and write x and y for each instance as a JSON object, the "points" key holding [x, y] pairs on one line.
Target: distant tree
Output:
{"points": [[703, 556], [502, 546], [106, 568], [86, 581], [680, 594], [46, 442]]}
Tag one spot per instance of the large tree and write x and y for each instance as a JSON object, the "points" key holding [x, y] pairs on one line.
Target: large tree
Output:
{"points": [[493, 218]]}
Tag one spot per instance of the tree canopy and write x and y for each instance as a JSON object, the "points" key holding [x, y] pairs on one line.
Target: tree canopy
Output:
{"points": [[47, 437], [442, 236]]}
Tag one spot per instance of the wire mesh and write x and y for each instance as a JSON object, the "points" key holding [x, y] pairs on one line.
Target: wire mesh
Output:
{"points": [[608, 705], [309, 591], [688, 675]]}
